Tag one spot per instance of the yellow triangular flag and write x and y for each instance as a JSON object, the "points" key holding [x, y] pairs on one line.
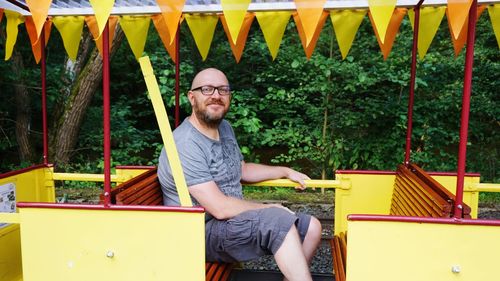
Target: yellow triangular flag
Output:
{"points": [[458, 11], [392, 31], [346, 24], [39, 10], [162, 29], [237, 48], [494, 12], [310, 12], [102, 10], [430, 20], [202, 27], [171, 11], [273, 25], [234, 13], [14, 19], [136, 30], [381, 13], [70, 29], [309, 49]]}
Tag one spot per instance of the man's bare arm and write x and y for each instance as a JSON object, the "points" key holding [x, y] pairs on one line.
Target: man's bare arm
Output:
{"points": [[252, 172], [219, 205]]}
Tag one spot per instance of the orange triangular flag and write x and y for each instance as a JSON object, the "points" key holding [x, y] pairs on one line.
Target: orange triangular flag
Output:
{"points": [[457, 14], [162, 29], [392, 31], [309, 12], [94, 29], [234, 13], [309, 49], [459, 41], [242, 35], [171, 11], [34, 39], [39, 10]]}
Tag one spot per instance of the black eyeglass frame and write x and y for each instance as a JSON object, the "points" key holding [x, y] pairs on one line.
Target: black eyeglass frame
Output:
{"points": [[206, 93]]}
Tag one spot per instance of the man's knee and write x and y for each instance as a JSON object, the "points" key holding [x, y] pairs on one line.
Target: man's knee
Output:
{"points": [[315, 230]]}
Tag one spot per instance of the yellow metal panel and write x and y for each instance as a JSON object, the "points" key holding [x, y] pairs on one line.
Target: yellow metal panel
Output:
{"points": [[62, 244], [10, 254], [395, 251], [125, 174], [368, 194]]}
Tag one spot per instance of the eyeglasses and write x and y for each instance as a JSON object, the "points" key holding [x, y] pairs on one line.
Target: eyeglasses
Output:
{"points": [[210, 90]]}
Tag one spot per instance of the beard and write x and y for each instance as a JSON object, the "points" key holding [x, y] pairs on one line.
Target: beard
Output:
{"points": [[210, 120]]}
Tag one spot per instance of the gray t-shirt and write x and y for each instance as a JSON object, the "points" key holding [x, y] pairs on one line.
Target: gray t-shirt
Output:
{"points": [[203, 160]]}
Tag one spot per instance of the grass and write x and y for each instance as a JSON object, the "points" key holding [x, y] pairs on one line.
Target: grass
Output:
{"points": [[288, 194]]}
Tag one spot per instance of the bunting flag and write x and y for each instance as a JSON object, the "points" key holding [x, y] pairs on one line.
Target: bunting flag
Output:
{"points": [[238, 47], [92, 25], [494, 12], [309, 12], [163, 32], [102, 10], [35, 39], [39, 10], [171, 11], [235, 13], [308, 49], [70, 28], [136, 30], [273, 25], [457, 13], [392, 31], [459, 41], [202, 28], [430, 20], [381, 12], [14, 19], [345, 25]]}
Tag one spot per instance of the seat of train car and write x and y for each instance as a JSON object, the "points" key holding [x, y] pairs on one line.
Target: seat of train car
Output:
{"points": [[415, 193], [145, 189]]}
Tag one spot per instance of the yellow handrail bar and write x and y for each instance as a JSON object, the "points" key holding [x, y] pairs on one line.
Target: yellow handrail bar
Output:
{"points": [[88, 177], [488, 187], [289, 183]]}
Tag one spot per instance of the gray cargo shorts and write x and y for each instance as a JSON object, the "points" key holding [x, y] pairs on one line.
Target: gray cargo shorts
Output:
{"points": [[251, 234]]}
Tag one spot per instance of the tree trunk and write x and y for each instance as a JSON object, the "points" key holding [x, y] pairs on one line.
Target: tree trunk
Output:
{"points": [[23, 110], [86, 83]]}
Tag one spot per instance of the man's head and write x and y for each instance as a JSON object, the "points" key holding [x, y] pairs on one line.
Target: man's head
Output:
{"points": [[210, 96]]}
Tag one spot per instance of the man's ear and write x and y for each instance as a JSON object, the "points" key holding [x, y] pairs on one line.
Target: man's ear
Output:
{"points": [[190, 96]]}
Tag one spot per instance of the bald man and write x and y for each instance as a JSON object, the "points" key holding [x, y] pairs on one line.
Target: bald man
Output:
{"points": [[235, 229]]}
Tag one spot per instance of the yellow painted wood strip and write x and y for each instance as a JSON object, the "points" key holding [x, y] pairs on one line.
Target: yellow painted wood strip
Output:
{"points": [[289, 183], [488, 187], [88, 177], [166, 131]]}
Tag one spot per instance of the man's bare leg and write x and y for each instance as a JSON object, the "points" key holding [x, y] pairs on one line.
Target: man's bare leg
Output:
{"points": [[291, 259]]}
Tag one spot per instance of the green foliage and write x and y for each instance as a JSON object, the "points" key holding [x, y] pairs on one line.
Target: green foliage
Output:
{"points": [[317, 115]]}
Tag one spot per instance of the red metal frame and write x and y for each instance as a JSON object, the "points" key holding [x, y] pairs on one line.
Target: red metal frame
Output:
{"points": [[373, 172], [423, 220], [177, 76], [111, 207], [412, 82], [464, 123], [106, 116], [43, 66], [134, 167]]}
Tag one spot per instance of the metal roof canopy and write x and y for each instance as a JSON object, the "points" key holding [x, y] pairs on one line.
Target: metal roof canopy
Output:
{"points": [[83, 7]]}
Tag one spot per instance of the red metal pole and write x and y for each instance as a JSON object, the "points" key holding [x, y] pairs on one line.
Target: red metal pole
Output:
{"points": [[413, 72], [177, 76], [106, 116], [464, 123], [43, 67]]}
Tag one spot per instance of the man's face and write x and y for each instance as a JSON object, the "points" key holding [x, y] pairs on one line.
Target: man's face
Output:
{"points": [[210, 107]]}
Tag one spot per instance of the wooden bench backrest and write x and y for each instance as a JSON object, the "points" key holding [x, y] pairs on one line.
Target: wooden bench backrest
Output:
{"points": [[416, 193], [144, 189]]}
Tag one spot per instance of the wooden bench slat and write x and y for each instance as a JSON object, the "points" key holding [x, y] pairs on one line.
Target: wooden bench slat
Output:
{"points": [[428, 191], [419, 197], [410, 205]]}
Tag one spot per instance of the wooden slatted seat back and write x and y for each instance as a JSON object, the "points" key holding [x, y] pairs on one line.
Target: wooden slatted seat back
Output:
{"points": [[145, 189]]}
